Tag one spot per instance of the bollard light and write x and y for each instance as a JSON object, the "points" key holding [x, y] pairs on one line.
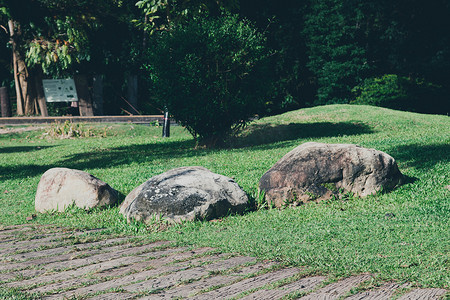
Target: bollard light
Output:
{"points": [[166, 124]]}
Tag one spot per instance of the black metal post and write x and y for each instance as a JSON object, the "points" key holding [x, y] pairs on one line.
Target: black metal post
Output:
{"points": [[166, 124], [5, 105]]}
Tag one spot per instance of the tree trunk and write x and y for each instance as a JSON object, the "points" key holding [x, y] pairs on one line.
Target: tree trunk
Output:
{"points": [[97, 95], [19, 97], [40, 96], [4, 100], [132, 93], [84, 97], [26, 83], [26, 102]]}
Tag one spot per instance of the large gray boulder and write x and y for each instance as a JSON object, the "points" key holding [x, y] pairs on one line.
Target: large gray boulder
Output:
{"points": [[185, 193], [62, 187], [316, 171]]}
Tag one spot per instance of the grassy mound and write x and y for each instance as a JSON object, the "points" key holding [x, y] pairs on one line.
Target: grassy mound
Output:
{"points": [[403, 235]]}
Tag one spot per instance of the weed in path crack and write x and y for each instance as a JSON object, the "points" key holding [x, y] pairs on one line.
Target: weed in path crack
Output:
{"points": [[295, 295], [210, 289], [114, 290], [195, 256], [271, 286], [73, 287]]}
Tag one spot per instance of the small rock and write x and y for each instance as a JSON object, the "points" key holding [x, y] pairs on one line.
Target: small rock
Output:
{"points": [[389, 215], [32, 217], [62, 187], [186, 193], [316, 171]]}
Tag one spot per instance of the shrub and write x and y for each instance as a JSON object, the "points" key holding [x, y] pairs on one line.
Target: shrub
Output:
{"points": [[403, 93], [68, 130], [210, 74], [385, 91]]}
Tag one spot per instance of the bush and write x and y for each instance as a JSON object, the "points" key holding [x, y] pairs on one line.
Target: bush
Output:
{"points": [[69, 130], [403, 93], [385, 91], [210, 74]]}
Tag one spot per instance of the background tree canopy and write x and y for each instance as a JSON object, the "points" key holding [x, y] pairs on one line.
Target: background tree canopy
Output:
{"points": [[323, 51]]}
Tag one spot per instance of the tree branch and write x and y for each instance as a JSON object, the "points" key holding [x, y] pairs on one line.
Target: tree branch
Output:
{"points": [[4, 28]]}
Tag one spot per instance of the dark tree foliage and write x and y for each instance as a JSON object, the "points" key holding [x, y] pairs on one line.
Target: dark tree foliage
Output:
{"points": [[336, 37], [65, 37], [349, 41], [5, 55], [210, 74], [321, 49], [416, 45], [282, 22]]}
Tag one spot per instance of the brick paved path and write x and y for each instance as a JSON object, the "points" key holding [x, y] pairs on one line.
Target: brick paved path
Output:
{"points": [[58, 263]]}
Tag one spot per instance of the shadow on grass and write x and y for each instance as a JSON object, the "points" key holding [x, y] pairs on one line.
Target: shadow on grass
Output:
{"points": [[126, 155], [22, 171], [407, 180], [257, 135], [109, 157], [422, 156], [120, 198], [22, 149]]}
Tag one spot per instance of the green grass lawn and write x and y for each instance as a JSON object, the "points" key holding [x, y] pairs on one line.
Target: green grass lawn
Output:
{"points": [[403, 235]]}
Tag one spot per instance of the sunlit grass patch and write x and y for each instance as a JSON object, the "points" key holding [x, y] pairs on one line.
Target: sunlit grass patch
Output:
{"points": [[402, 235]]}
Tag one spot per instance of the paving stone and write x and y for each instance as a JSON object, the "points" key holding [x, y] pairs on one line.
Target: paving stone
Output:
{"points": [[61, 286], [192, 288], [62, 249], [113, 296], [166, 281], [30, 245], [15, 240], [15, 229], [247, 284], [72, 277], [44, 264], [41, 239], [75, 263], [30, 230], [140, 266], [118, 263], [202, 260], [110, 284], [6, 277], [12, 237], [337, 289], [96, 258], [159, 265], [6, 239], [185, 275], [386, 291], [302, 285], [64, 261], [15, 234], [218, 262], [49, 258], [423, 294]]}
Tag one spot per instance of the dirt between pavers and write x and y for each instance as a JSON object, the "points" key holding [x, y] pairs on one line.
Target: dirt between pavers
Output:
{"points": [[57, 263]]}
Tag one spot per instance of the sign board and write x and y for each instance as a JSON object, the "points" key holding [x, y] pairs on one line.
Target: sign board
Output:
{"points": [[60, 90]]}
